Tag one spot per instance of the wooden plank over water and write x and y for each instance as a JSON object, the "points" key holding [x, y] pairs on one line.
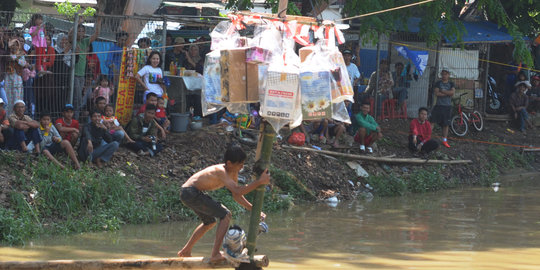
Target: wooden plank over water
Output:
{"points": [[154, 263]]}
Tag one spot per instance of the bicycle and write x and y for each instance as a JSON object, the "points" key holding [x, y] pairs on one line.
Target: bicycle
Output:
{"points": [[460, 122]]}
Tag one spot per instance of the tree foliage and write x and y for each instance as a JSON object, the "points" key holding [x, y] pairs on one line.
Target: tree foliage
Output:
{"points": [[69, 10]]}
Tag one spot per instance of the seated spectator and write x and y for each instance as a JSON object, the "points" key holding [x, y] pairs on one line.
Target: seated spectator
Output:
{"points": [[5, 131], [67, 126], [316, 127], [334, 131], [143, 130], [420, 134], [97, 144], [52, 142], [401, 86], [228, 118], [152, 99], [519, 103], [99, 105], [368, 129], [25, 129], [534, 95], [161, 114], [115, 129]]}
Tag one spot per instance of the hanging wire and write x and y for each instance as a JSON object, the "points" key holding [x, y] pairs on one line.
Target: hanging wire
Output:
{"points": [[384, 11]]}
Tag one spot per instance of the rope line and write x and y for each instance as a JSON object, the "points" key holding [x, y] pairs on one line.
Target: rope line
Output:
{"points": [[385, 10]]}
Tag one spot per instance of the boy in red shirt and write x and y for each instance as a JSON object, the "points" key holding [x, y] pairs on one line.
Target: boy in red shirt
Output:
{"points": [[67, 126], [420, 134]]}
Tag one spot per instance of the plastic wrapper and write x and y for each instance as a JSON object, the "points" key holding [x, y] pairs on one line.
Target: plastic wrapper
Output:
{"points": [[224, 36], [342, 88], [211, 89], [315, 93], [340, 113]]}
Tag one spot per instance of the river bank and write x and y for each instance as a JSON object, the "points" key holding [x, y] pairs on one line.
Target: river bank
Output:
{"points": [[37, 198]]}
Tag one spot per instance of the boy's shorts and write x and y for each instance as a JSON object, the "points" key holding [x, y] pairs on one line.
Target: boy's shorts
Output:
{"points": [[54, 148], [368, 139], [206, 208], [161, 121]]}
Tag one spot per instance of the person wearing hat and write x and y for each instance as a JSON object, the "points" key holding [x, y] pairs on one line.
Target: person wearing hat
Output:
{"points": [[442, 112], [519, 103], [25, 128], [178, 55], [534, 95], [67, 126], [5, 131]]}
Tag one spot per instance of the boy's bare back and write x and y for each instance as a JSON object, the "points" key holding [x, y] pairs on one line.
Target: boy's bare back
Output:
{"points": [[208, 179]]}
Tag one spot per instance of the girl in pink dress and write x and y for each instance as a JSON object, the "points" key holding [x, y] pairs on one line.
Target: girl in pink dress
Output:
{"points": [[37, 31]]}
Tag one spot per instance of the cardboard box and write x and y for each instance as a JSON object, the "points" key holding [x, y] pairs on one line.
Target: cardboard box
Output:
{"points": [[239, 80]]}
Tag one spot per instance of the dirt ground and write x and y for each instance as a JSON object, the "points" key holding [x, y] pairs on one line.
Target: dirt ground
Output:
{"points": [[186, 153]]}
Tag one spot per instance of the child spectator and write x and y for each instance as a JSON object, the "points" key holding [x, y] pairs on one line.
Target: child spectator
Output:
{"points": [[67, 126], [99, 105], [152, 99], [13, 83], [37, 31], [315, 127], [103, 89], [151, 76], [334, 131], [161, 114], [420, 134], [97, 144], [25, 129], [143, 129], [111, 122], [50, 55], [368, 129], [52, 143]]}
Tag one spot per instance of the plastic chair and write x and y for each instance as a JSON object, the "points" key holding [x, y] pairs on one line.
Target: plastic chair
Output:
{"points": [[387, 109], [396, 110]]}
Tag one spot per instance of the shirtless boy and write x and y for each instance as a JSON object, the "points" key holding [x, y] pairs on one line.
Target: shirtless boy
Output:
{"points": [[214, 177]]}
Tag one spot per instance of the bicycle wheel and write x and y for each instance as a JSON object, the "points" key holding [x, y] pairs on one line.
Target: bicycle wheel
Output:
{"points": [[459, 126], [476, 119]]}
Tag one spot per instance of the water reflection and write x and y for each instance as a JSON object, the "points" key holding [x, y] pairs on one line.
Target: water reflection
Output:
{"points": [[474, 228]]}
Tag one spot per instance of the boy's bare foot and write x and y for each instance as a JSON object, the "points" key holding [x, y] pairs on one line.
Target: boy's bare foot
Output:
{"points": [[183, 253], [217, 258], [98, 163]]}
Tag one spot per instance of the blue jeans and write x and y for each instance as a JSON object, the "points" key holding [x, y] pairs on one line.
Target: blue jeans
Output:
{"points": [[145, 146], [522, 116], [401, 94], [19, 136], [104, 151], [118, 136]]}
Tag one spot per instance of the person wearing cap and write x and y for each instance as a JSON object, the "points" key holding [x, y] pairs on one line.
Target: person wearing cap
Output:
{"points": [[67, 126], [519, 102], [25, 128], [178, 55], [534, 95], [442, 112], [5, 131]]}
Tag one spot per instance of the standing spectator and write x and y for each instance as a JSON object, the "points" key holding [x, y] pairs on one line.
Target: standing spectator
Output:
{"points": [[401, 87], [114, 58], [354, 74], [97, 144], [103, 89], [80, 66], [50, 55], [194, 61], [44, 85], [534, 95], [384, 85], [368, 129], [519, 102], [52, 142], [61, 68], [13, 83], [143, 130], [67, 126], [442, 112], [37, 31], [420, 134], [151, 76], [177, 56], [25, 129]]}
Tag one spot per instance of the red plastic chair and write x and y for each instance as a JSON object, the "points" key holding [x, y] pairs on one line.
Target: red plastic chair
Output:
{"points": [[387, 110], [396, 111]]}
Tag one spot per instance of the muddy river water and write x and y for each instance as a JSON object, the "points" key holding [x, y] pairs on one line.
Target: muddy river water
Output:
{"points": [[470, 228]]}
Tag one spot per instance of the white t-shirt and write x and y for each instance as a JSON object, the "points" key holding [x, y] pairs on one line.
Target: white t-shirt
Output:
{"points": [[150, 77], [354, 74]]}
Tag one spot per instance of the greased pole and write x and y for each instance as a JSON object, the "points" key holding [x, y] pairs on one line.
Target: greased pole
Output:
{"points": [[262, 161]]}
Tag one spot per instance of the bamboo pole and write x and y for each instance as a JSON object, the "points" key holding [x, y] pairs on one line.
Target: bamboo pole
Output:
{"points": [[155, 263], [418, 161]]}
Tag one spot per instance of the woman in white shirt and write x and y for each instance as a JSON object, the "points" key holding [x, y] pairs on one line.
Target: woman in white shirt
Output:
{"points": [[151, 76]]}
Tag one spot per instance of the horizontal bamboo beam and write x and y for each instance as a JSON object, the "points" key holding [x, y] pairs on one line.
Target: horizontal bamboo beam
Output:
{"points": [[300, 19], [418, 161], [155, 263]]}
